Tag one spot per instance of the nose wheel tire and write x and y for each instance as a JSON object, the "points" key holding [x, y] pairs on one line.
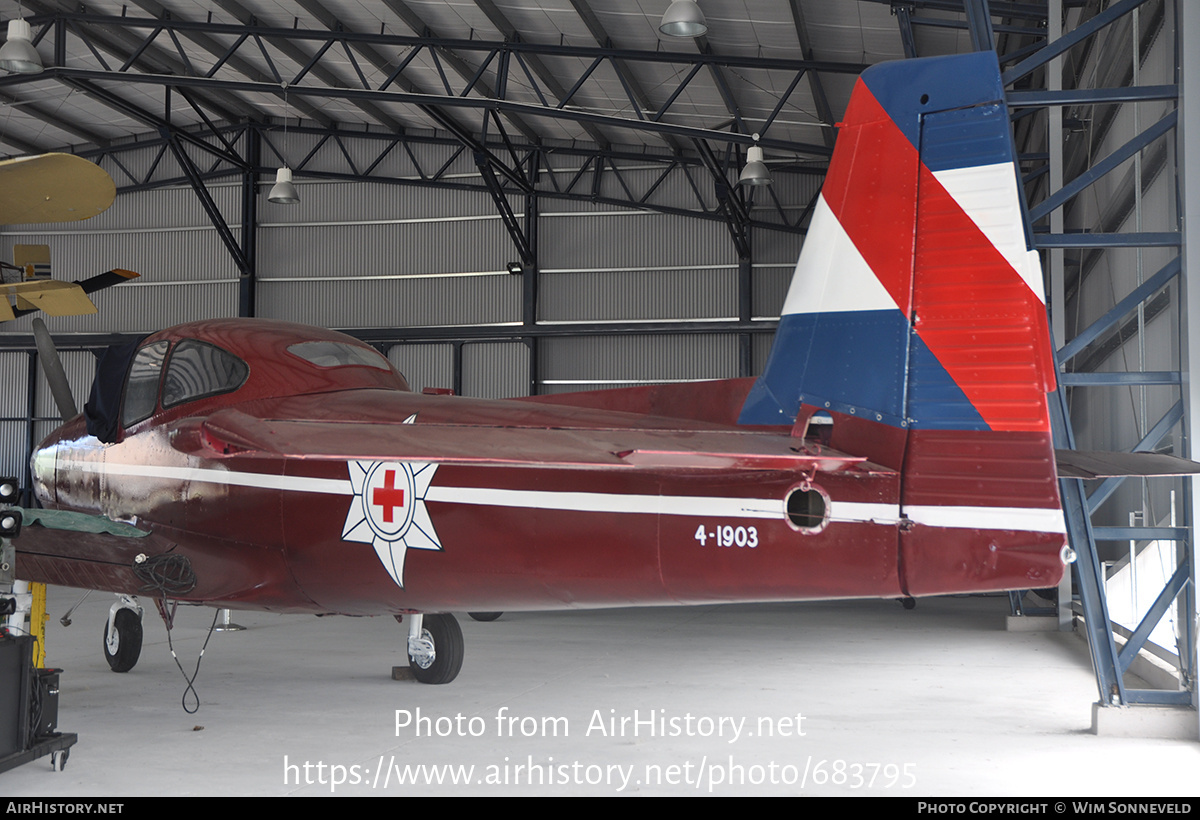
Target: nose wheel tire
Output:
{"points": [[123, 643], [443, 658]]}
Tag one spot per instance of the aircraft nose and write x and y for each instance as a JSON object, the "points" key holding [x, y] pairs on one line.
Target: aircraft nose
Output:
{"points": [[42, 467]]}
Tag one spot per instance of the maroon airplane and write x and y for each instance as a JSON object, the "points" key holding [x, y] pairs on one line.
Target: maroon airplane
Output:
{"points": [[896, 445]]}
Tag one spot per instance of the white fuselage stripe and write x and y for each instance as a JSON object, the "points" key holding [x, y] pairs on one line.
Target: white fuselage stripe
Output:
{"points": [[1022, 519], [267, 481]]}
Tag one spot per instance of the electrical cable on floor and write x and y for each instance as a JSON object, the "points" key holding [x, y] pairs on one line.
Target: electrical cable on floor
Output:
{"points": [[190, 681]]}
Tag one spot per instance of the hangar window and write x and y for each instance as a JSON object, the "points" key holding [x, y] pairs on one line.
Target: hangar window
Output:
{"points": [[141, 386], [198, 369], [808, 509], [339, 354]]}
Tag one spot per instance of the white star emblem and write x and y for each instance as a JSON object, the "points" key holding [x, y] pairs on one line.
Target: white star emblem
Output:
{"points": [[388, 511]]}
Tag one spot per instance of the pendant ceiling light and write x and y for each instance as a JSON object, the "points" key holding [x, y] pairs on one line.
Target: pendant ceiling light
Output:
{"points": [[755, 172], [683, 18], [17, 55], [283, 192]]}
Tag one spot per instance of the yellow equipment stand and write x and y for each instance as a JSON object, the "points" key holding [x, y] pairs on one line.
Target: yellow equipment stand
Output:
{"points": [[37, 624]]}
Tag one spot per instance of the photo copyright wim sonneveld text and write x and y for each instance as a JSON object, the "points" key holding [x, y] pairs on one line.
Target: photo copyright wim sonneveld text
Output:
{"points": [[1074, 807]]}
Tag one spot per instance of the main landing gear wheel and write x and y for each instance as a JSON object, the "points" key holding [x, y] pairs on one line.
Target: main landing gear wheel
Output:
{"points": [[123, 643], [485, 616], [437, 656]]}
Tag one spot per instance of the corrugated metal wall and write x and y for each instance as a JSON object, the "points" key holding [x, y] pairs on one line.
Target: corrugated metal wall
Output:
{"points": [[359, 255], [14, 413], [596, 362], [495, 370], [424, 365]]}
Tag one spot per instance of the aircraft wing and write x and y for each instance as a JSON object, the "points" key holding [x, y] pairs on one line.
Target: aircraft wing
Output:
{"points": [[86, 551], [52, 297], [92, 552], [52, 188], [231, 431]]}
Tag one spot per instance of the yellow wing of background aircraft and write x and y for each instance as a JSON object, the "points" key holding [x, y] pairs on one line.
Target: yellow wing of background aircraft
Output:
{"points": [[50, 188]]}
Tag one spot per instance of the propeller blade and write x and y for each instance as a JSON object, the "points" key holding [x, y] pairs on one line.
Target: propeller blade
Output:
{"points": [[56, 376]]}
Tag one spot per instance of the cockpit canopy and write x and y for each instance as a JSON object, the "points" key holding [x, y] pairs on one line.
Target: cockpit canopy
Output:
{"points": [[181, 367]]}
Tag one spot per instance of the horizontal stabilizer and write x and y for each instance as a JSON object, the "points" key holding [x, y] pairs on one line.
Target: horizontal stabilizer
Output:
{"points": [[1087, 464], [55, 298], [50, 296]]}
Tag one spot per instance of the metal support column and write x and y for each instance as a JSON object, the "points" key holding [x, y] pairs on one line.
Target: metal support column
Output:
{"points": [[247, 280], [1187, 22], [1092, 240]]}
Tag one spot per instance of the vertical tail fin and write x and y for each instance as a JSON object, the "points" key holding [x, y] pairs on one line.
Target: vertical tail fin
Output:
{"points": [[33, 260], [916, 317], [916, 301]]}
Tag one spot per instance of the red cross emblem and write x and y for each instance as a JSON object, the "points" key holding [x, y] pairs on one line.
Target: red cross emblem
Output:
{"points": [[389, 496]]}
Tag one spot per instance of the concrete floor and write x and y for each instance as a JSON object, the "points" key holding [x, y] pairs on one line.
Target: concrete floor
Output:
{"points": [[863, 698]]}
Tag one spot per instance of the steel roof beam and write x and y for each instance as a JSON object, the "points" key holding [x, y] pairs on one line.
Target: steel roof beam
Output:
{"points": [[1024, 11], [157, 123], [295, 53], [814, 78], [123, 44], [456, 62], [464, 133], [630, 82], [445, 45], [210, 206], [534, 62], [434, 102], [226, 55], [581, 188]]}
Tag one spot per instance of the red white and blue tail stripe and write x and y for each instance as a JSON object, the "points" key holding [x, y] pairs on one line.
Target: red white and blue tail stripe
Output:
{"points": [[916, 300]]}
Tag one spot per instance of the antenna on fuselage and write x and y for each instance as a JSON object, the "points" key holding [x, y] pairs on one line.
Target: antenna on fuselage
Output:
{"points": [[52, 367]]}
